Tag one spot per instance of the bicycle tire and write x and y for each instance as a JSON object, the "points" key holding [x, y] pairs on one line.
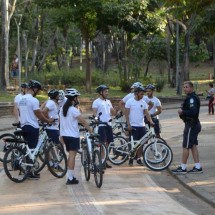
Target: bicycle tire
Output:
{"points": [[56, 160], [104, 152], [85, 160], [40, 161], [97, 168], [4, 146], [160, 161], [15, 164], [118, 150]]}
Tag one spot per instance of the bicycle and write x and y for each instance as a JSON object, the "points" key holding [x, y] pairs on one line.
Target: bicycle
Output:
{"points": [[118, 125], [157, 155], [4, 144], [19, 161], [91, 158]]}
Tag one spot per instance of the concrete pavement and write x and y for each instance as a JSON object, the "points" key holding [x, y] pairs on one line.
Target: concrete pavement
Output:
{"points": [[125, 190]]}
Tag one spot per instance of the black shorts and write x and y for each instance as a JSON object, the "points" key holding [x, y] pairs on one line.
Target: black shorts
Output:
{"points": [[72, 143], [53, 135], [190, 135], [106, 134], [31, 135], [138, 132]]}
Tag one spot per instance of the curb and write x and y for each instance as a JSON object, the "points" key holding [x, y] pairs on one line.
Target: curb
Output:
{"points": [[205, 197]]}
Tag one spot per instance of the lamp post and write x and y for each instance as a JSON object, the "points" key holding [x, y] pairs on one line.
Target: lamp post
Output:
{"points": [[18, 23]]}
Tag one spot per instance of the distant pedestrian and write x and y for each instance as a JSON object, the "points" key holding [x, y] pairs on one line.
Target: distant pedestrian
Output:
{"points": [[15, 67], [210, 97], [189, 113]]}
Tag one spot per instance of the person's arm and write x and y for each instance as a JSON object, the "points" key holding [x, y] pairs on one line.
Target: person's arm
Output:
{"points": [[148, 117], [45, 111], [16, 112], [42, 117], [84, 123], [127, 113], [159, 110], [122, 106], [43, 105], [94, 111]]}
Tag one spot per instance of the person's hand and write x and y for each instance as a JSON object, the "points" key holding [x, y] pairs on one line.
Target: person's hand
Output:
{"points": [[180, 111]]}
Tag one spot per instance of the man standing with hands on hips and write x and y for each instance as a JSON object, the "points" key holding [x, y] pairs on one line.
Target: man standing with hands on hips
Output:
{"points": [[189, 113]]}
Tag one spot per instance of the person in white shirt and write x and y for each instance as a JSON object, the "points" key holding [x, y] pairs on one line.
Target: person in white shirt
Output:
{"points": [[62, 99], [17, 99], [103, 105], [70, 116], [135, 111], [29, 112], [51, 111], [156, 108]]}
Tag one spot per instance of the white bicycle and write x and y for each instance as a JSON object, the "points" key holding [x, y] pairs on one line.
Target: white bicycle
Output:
{"points": [[157, 154]]}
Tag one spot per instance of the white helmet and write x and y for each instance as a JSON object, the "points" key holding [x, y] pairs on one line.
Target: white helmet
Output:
{"points": [[61, 95], [136, 84], [71, 92]]}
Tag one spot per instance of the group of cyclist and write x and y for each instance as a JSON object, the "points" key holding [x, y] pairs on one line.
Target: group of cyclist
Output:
{"points": [[62, 112]]}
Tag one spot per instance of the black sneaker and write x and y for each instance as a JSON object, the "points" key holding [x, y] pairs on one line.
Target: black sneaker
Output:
{"points": [[179, 170], [73, 181], [130, 162], [139, 161], [108, 166], [195, 170], [33, 176]]}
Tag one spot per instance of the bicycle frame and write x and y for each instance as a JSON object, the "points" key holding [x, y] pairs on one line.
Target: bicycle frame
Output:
{"points": [[136, 144]]}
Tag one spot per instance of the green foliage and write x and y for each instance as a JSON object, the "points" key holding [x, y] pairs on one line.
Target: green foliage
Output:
{"points": [[198, 53], [159, 84]]}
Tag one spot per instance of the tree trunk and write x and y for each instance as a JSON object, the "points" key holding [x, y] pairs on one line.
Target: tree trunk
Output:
{"points": [[147, 67], [46, 52], [168, 54], [34, 54], [26, 53], [88, 65], [214, 55], [4, 45], [186, 57]]}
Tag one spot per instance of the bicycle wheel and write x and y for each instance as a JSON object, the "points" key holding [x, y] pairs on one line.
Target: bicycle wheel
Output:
{"points": [[5, 144], [97, 168], [15, 164], [157, 156], [40, 161], [103, 151], [118, 150], [56, 160], [85, 160]]}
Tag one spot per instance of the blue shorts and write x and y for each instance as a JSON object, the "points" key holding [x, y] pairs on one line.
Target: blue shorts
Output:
{"points": [[31, 135], [138, 132], [190, 135], [53, 135], [72, 143], [106, 134]]}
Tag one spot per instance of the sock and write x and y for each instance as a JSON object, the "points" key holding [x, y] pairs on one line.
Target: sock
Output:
{"points": [[197, 165], [183, 166], [69, 174]]}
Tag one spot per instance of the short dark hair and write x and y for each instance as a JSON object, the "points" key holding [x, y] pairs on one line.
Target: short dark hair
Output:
{"points": [[190, 83]]}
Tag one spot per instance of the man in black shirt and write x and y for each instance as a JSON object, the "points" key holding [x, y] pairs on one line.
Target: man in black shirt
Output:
{"points": [[189, 113]]}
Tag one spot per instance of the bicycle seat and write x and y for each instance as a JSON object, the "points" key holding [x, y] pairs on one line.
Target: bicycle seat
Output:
{"points": [[93, 135], [16, 124], [19, 133]]}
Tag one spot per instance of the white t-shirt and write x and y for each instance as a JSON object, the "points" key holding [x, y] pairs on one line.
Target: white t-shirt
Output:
{"points": [[104, 107], [136, 115], [61, 103], [69, 124], [27, 105], [53, 113], [131, 95], [156, 103], [17, 98]]}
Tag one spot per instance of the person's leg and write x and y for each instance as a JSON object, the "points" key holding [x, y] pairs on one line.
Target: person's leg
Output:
{"points": [[195, 153], [209, 107], [72, 145]]}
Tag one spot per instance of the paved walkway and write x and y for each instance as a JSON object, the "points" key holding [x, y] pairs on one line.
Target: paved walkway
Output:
{"points": [[125, 190]]}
